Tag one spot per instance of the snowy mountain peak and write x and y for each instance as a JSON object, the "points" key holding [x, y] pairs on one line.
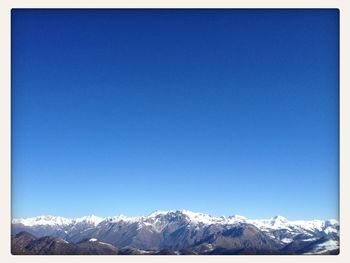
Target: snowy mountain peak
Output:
{"points": [[124, 218], [238, 218], [200, 217], [190, 216], [91, 219], [43, 220], [330, 222], [278, 220], [157, 213], [194, 218], [57, 220]]}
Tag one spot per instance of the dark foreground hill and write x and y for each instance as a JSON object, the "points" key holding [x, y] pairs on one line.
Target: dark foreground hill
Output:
{"points": [[26, 244]]}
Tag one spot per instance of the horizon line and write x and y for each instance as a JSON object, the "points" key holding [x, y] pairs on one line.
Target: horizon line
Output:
{"points": [[169, 211]]}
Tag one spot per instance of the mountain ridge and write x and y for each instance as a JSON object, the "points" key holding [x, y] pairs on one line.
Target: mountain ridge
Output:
{"points": [[58, 220], [194, 232]]}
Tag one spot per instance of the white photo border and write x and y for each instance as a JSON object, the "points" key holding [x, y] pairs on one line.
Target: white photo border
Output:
{"points": [[5, 123]]}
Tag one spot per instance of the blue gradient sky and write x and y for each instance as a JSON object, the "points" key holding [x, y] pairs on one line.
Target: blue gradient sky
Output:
{"points": [[217, 111]]}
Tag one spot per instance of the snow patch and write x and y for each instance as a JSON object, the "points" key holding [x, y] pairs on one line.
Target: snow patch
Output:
{"points": [[287, 240], [328, 245], [91, 219]]}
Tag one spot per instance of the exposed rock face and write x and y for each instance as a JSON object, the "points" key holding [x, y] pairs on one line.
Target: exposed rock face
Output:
{"points": [[19, 242]]}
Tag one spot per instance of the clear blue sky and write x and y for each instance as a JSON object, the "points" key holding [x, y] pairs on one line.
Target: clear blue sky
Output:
{"points": [[218, 111]]}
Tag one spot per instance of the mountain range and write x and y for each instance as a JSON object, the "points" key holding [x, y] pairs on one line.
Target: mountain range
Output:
{"points": [[173, 232]]}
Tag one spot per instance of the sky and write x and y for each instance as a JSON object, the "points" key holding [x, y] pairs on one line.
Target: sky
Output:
{"points": [[216, 111]]}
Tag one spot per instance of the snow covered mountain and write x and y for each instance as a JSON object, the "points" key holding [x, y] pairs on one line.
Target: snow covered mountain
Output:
{"points": [[57, 220], [197, 233]]}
